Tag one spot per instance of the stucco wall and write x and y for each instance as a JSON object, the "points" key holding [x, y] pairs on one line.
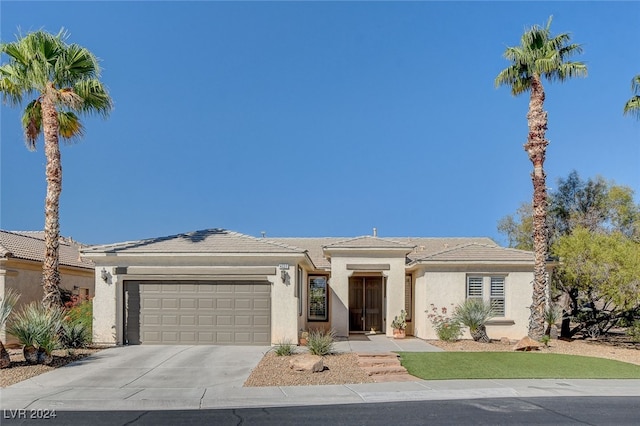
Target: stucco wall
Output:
{"points": [[448, 288], [25, 277]]}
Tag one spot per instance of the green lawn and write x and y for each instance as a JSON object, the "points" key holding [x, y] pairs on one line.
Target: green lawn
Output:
{"points": [[513, 365]]}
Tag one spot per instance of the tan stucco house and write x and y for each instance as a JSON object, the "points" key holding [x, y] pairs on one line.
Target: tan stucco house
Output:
{"points": [[221, 287], [21, 258]]}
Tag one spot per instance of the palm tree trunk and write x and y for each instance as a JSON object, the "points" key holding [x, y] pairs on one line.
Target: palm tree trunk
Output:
{"points": [[536, 147], [50, 271]]}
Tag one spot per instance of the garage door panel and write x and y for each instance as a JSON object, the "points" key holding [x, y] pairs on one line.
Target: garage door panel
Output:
{"points": [[225, 303], [242, 320], [188, 303], [205, 303], [151, 303], [243, 303], [170, 303], [180, 312], [261, 304], [187, 320], [223, 320], [261, 320]]}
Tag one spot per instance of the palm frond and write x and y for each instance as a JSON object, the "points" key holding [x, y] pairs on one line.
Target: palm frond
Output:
{"points": [[96, 99], [7, 303], [632, 107], [70, 126], [32, 124], [40, 64], [540, 54]]}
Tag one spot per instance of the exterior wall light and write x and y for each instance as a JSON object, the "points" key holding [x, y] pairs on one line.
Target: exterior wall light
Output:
{"points": [[104, 275], [284, 268]]}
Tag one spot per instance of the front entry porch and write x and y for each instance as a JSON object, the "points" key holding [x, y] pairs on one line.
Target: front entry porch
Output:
{"points": [[366, 304]]}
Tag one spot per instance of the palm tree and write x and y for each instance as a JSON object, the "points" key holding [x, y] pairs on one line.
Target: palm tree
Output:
{"points": [[61, 81], [632, 106], [539, 56]]}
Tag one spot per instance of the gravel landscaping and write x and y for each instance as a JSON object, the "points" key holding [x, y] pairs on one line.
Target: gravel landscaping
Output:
{"points": [[21, 370], [339, 369]]}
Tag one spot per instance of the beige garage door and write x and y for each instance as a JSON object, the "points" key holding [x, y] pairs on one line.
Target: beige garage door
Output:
{"points": [[198, 312]]}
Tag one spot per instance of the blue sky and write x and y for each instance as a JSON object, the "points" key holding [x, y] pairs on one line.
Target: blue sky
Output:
{"points": [[318, 118]]}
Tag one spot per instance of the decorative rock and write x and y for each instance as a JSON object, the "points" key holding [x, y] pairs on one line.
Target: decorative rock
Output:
{"points": [[527, 344], [307, 362], [505, 341]]}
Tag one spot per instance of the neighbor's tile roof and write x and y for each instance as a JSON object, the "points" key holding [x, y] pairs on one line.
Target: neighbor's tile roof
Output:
{"points": [[29, 245], [476, 252], [203, 241]]}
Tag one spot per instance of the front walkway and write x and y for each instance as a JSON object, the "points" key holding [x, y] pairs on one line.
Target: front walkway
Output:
{"points": [[379, 343]]}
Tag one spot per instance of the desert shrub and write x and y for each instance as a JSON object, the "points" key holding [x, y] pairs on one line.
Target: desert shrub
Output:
{"points": [[474, 313], [6, 305], [634, 331], [74, 335], [285, 348], [447, 329], [37, 327], [551, 317], [321, 342], [81, 313]]}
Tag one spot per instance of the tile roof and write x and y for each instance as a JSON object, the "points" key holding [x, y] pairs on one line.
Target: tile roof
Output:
{"points": [[476, 252], [29, 245], [423, 246], [367, 241], [225, 241], [203, 241]]}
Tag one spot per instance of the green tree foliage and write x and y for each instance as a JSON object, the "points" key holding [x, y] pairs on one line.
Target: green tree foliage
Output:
{"points": [[595, 204], [518, 227], [601, 273], [594, 228]]}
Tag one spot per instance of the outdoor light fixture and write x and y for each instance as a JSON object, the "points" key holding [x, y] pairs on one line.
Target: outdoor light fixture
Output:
{"points": [[104, 275], [284, 267]]}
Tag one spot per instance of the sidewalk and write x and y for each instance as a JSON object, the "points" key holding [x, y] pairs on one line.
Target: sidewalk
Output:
{"points": [[162, 378]]}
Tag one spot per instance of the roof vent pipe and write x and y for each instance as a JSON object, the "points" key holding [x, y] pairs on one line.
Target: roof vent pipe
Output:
{"points": [[375, 232]]}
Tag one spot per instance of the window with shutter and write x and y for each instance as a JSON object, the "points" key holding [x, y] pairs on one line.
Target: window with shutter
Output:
{"points": [[474, 287], [497, 296]]}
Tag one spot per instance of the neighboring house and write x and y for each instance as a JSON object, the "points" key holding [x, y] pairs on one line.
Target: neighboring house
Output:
{"points": [[221, 287], [21, 258]]}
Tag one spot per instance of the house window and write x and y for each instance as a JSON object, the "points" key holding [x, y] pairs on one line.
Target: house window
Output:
{"points": [[317, 298], [299, 291], [474, 288], [497, 296], [494, 287]]}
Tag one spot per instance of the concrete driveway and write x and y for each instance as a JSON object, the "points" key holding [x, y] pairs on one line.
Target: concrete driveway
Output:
{"points": [[115, 378]]}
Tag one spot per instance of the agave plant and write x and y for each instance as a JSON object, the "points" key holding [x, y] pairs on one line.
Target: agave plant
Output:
{"points": [[74, 335], [474, 313], [551, 316], [36, 327], [6, 306]]}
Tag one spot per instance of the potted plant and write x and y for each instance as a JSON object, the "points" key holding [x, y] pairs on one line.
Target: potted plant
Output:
{"points": [[399, 325]]}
